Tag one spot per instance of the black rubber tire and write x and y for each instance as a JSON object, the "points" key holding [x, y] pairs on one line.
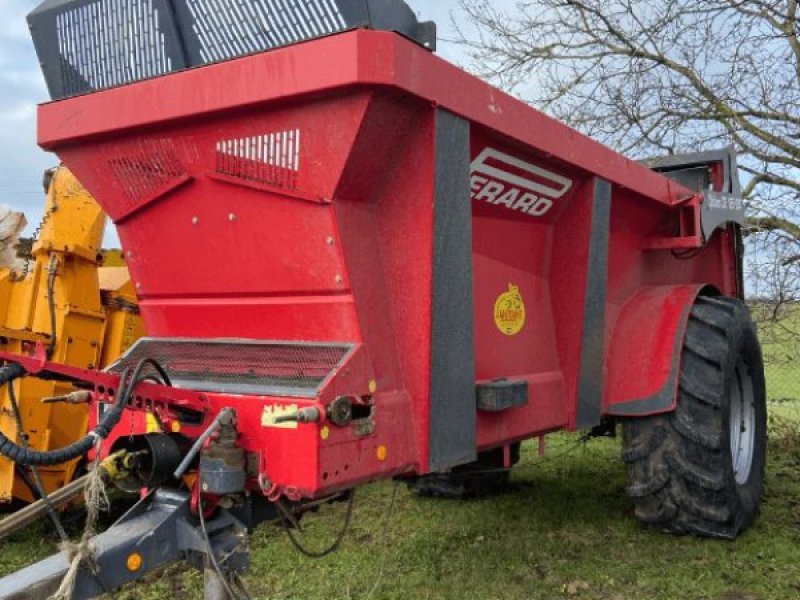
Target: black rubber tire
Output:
{"points": [[680, 465], [484, 477]]}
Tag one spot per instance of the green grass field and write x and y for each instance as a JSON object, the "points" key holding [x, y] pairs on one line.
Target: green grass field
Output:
{"points": [[566, 529]]}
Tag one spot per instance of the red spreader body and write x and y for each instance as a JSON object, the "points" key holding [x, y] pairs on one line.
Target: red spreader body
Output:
{"points": [[383, 265], [399, 232]]}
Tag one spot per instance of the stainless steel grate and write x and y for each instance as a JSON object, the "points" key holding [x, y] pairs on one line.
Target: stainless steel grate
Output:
{"points": [[241, 366], [89, 45]]}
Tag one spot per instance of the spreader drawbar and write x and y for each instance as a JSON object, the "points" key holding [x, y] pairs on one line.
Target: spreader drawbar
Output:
{"points": [[158, 531], [90, 45]]}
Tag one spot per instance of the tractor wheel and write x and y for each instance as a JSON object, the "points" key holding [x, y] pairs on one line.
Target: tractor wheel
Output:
{"points": [[700, 469], [481, 478]]}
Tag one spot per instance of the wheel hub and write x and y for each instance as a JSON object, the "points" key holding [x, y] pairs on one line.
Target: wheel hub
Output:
{"points": [[742, 424]]}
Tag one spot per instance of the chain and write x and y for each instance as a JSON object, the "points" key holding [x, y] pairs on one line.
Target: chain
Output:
{"points": [[35, 237]]}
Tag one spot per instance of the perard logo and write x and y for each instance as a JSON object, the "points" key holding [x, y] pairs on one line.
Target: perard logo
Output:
{"points": [[503, 180]]}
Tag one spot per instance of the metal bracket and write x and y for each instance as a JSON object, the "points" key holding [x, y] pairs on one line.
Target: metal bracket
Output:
{"points": [[719, 209]]}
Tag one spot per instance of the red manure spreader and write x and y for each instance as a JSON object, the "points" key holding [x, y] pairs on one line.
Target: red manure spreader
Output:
{"points": [[358, 262]]}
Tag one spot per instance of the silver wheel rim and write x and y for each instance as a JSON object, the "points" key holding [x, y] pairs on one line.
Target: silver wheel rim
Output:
{"points": [[742, 423]]}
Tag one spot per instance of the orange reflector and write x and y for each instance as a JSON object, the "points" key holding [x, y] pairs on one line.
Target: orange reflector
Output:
{"points": [[134, 562]]}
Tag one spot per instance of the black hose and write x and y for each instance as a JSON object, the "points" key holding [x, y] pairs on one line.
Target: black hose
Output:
{"points": [[103, 429], [125, 392], [210, 549], [162, 374], [41, 491], [24, 456], [10, 373], [336, 543], [27, 457]]}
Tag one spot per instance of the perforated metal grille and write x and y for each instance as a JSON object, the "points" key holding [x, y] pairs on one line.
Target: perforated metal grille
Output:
{"points": [[272, 158], [86, 45], [146, 169], [230, 28], [241, 367], [110, 42]]}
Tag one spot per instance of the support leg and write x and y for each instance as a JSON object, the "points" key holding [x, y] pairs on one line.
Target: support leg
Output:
{"points": [[214, 586]]}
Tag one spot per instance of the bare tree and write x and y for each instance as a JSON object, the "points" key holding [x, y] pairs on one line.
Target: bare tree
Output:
{"points": [[651, 77]]}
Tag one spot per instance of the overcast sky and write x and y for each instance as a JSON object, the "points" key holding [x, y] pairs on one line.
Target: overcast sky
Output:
{"points": [[22, 87]]}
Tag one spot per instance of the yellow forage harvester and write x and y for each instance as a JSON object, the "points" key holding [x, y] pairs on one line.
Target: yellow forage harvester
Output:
{"points": [[61, 296]]}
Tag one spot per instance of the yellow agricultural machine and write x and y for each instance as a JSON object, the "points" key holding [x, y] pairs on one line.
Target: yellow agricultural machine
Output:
{"points": [[83, 313]]}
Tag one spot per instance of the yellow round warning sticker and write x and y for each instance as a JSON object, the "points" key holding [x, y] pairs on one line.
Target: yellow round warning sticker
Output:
{"points": [[509, 311]]}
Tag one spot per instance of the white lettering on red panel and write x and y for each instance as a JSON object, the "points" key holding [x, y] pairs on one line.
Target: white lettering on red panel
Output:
{"points": [[502, 180]]}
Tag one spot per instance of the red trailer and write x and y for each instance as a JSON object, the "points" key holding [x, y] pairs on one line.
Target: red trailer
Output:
{"points": [[359, 262]]}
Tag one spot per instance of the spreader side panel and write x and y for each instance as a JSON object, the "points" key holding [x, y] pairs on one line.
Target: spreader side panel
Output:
{"points": [[531, 225]]}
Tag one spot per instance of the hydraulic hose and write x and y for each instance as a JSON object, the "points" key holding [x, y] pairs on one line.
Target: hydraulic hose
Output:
{"points": [[111, 419], [37, 485], [27, 457], [10, 373]]}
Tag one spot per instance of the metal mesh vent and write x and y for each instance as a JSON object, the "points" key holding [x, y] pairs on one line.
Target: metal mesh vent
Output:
{"points": [[88, 45], [148, 169], [272, 158], [241, 366], [230, 28], [110, 42]]}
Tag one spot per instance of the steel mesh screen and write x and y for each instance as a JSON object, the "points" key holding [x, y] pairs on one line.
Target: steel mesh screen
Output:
{"points": [[241, 367]]}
